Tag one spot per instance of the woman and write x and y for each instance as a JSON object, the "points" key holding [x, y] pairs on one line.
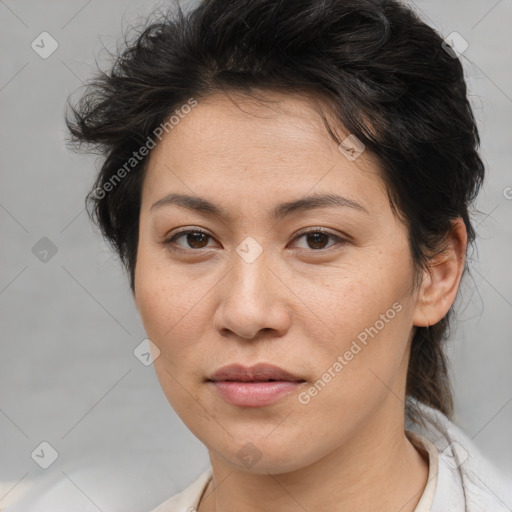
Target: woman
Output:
{"points": [[288, 185]]}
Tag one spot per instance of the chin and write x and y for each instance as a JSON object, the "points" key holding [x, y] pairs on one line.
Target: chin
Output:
{"points": [[258, 454]]}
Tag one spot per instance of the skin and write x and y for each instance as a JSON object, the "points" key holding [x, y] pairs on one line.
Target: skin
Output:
{"points": [[298, 305]]}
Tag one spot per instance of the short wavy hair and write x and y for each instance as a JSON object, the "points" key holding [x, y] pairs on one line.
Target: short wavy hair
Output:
{"points": [[385, 76]]}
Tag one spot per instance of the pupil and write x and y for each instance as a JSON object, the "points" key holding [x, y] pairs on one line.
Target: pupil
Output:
{"points": [[197, 235], [317, 239]]}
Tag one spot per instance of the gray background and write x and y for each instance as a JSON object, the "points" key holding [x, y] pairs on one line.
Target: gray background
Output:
{"points": [[68, 375]]}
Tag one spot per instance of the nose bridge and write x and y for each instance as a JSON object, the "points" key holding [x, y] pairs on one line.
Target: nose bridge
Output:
{"points": [[248, 304], [250, 270]]}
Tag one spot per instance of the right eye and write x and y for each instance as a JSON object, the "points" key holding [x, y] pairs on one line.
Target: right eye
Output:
{"points": [[194, 238]]}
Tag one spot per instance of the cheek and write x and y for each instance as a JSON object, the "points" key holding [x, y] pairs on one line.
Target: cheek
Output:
{"points": [[162, 296], [172, 323], [174, 311], [356, 372], [362, 331], [355, 297]]}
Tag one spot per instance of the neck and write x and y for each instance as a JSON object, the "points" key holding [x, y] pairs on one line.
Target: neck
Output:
{"points": [[377, 469]]}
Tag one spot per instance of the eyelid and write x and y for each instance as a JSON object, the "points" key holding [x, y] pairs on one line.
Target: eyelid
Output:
{"points": [[340, 239], [315, 229], [167, 242]]}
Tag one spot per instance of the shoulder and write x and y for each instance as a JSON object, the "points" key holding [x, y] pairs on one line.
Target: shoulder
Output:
{"points": [[466, 481], [188, 499]]}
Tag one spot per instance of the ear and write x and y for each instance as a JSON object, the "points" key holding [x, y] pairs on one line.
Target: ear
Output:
{"points": [[441, 281]]}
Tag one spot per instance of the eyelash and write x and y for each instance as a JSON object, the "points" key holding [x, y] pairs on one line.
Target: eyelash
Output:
{"points": [[168, 243]]}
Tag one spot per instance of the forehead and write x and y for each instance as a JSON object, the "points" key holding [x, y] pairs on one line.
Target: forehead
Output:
{"points": [[232, 140], [234, 124]]}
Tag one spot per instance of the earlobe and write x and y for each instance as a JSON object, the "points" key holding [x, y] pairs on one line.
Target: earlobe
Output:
{"points": [[442, 278]]}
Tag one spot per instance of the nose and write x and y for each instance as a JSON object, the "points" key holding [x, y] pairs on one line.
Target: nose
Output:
{"points": [[253, 301]]}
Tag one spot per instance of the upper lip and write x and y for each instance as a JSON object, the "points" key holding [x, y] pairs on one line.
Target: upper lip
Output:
{"points": [[258, 373]]}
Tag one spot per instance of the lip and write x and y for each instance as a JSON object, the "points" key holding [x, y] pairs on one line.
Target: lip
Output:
{"points": [[257, 373], [254, 386]]}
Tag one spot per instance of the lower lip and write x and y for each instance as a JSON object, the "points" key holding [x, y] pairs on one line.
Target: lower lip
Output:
{"points": [[254, 394]]}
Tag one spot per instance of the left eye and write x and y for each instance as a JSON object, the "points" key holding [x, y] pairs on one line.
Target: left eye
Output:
{"points": [[197, 239], [317, 239]]}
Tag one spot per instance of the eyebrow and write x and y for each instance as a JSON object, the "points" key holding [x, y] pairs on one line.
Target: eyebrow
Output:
{"points": [[201, 205]]}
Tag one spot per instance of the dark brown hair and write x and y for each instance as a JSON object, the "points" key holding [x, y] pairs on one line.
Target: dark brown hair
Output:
{"points": [[385, 75]]}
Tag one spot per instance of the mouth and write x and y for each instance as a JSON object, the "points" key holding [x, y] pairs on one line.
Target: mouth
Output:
{"points": [[255, 386]]}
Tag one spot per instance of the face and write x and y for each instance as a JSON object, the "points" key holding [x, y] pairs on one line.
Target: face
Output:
{"points": [[263, 271]]}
